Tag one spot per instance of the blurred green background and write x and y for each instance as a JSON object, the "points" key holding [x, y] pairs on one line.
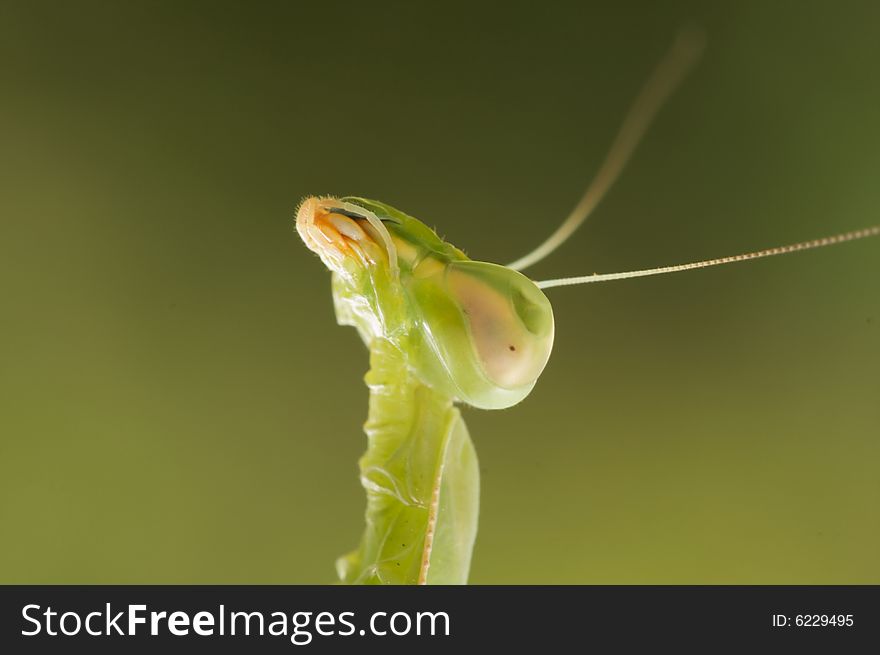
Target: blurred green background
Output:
{"points": [[177, 404]]}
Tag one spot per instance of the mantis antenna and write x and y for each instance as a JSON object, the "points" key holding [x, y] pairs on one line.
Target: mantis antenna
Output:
{"points": [[684, 53], [872, 231]]}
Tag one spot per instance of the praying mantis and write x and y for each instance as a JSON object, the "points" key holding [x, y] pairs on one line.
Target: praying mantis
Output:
{"points": [[444, 330]]}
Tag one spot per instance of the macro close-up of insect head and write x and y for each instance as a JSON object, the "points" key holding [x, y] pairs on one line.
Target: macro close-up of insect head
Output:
{"points": [[608, 276]]}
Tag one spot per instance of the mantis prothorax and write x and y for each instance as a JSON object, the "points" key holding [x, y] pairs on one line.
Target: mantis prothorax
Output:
{"points": [[444, 329]]}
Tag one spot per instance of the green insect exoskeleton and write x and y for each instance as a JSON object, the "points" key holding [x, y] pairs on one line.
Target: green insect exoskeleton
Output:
{"points": [[440, 328]]}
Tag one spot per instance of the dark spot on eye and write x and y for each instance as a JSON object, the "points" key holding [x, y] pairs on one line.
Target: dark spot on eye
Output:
{"points": [[512, 348]]}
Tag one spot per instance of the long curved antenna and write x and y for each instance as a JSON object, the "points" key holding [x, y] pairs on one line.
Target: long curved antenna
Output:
{"points": [[872, 231], [671, 70]]}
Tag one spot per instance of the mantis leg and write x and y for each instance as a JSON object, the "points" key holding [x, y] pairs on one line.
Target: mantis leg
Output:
{"points": [[421, 477]]}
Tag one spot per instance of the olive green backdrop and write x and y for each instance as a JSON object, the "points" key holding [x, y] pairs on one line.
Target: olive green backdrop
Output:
{"points": [[178, 405]]}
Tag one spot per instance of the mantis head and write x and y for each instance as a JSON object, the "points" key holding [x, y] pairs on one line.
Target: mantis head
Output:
{"points": [[478, 332]]}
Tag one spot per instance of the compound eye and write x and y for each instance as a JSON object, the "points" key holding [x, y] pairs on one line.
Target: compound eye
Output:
{"points": [[510, 321]]}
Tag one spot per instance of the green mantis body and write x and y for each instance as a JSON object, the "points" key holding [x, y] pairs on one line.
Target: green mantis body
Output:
{"points": [[440, 328]]}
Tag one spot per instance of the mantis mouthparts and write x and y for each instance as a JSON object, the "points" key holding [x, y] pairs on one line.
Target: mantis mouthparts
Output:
{"points": [[338, 231]]}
